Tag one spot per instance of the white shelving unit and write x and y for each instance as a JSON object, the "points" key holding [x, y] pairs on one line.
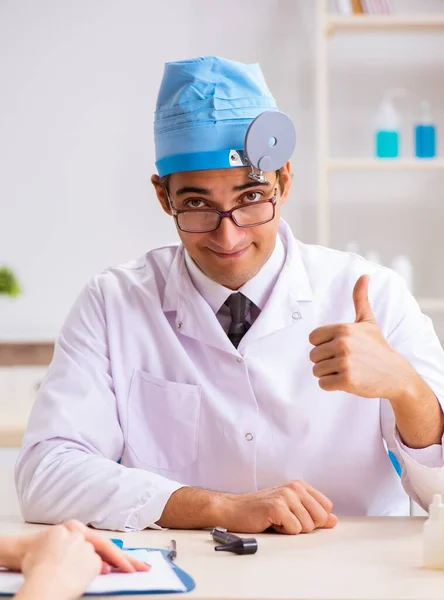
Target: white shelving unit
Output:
{"points": [[335, 23], [384, 164], [327, 25]]}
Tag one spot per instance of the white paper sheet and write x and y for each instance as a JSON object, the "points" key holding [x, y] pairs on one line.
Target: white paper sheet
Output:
{"points": [[161, 576]]}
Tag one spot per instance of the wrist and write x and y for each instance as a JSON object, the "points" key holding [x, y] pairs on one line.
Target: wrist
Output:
{"points": [[404, 389], [225, 510], [11, 552], [193, 508], [40, 587]]}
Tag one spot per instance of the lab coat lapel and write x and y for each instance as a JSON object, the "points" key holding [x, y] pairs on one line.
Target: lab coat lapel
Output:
{"points": [[288, 301], [194, 317], [284, 308]]}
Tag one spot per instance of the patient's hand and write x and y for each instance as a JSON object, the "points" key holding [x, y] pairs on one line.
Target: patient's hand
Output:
{"points": [[13, 549], [59, 566]]}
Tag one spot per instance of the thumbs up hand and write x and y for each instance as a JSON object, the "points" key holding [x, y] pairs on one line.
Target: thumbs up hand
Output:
{"points": [[363, 310], [355, 357]]}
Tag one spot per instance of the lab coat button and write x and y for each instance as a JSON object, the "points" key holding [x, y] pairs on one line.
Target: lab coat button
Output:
{"points": [[179, 325], [239, 359], [249, 437], [296, 315]]}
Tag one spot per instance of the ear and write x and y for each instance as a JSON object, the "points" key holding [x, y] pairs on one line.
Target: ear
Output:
{"points": [[161, 194], [285, 178]]}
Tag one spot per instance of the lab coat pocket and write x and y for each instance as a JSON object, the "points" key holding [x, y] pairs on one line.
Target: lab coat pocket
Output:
{"points": [[163, 418]]}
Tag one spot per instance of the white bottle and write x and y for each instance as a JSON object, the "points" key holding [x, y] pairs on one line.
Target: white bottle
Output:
{"points": [[434, 535], [344, 7], [373, 257], [403, 266], [352, 247], [387, 125]]}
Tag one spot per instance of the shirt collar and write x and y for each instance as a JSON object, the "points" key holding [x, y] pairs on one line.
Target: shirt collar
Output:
{"points": [[257, 289]]}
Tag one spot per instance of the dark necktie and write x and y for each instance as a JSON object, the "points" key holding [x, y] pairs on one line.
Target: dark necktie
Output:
{"points": [[239, 306]]}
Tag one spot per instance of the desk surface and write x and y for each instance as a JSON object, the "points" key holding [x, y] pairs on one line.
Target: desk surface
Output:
{"points": [[361, 559]]}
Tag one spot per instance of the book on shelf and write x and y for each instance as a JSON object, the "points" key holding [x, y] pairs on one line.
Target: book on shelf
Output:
{"points": [[360, 7]]}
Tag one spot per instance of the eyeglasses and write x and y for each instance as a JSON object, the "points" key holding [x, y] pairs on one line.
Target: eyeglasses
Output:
{"points": [[204, 220]]}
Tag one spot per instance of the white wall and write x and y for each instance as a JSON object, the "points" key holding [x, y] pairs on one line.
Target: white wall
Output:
{"points": [[78, 86]]}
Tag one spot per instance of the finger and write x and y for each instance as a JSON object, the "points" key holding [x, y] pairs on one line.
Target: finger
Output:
{"points": [[322, 335], [331, 383], [322, 352], [58, 531], [74, 525], [332, 521], [106, 568], [113, 555], [317, 512], [302, 515], [286, 522], [361, 302], [139, 565], [76, 536], [88, 547], [332, 366], [107, 551], [325, 502], [277, 528]]}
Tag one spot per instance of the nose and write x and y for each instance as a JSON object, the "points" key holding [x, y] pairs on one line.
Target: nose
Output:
{"points": [[228, 236]]}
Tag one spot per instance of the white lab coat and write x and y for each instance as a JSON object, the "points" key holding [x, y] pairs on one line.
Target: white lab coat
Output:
{"points": [[143, 372]]}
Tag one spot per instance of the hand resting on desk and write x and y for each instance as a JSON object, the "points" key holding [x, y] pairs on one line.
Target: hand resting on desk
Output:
{"points": [[292, 508]]}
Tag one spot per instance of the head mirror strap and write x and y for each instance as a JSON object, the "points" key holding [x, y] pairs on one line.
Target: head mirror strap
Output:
{"points": [[269, 142]]}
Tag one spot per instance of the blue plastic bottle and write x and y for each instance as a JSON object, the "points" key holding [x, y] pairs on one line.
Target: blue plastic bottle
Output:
{"points": [[425, 133], [387, 144], [387, 128]]}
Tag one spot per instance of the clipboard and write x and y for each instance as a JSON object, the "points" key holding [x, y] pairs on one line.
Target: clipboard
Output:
{"points": [[185, 579]]}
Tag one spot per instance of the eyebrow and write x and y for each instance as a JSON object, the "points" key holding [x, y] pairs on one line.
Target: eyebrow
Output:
{"points": [[206, 192]]}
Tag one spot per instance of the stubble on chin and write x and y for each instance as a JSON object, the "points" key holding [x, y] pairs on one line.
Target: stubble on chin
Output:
{"points": [[234, 280]]}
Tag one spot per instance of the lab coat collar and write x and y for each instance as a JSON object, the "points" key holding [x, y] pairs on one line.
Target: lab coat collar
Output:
{"points": [[283, 308], [214, 293], [194, 316], [258, 289], [196, 319]]}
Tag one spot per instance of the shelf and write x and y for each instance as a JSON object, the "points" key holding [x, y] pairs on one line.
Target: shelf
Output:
{"points": [[431, 304], [25, 353], [385, 164], [11, 437], [371, 22]]}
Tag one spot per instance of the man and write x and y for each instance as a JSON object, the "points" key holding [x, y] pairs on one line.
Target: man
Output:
{"points": [[241, 378]]}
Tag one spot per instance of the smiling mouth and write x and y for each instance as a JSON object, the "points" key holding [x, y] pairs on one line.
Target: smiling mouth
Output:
{"points": [[237, 254]]}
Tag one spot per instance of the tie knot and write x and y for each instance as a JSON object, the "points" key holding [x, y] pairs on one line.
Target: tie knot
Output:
{"points": [[239, 306]]}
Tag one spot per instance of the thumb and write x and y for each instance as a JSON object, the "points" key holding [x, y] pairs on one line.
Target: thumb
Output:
{"points": [[360, 300]]}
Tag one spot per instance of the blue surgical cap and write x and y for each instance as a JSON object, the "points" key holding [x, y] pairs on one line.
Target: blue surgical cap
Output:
{"points": [[203, 111]]}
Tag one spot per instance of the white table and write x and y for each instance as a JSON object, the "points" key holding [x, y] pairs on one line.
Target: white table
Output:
{"points": [[361, 559]]}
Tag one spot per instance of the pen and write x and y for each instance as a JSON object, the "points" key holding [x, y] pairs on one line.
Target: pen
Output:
{"points": [[172, 550]]}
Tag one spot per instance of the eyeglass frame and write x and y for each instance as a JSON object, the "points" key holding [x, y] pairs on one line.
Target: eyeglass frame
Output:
{"points": [[223, 214]]}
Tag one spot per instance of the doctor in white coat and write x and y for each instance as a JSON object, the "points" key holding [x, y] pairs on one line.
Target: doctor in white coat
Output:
{"points": [[240, 378]]}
